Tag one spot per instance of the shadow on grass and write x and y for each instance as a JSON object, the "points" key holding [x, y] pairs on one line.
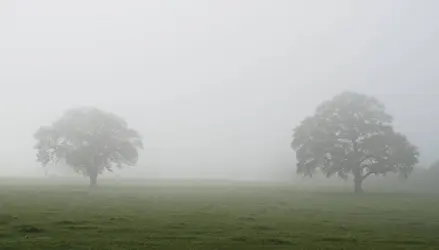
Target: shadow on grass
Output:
{"points": [[263, 241], [29, 229], [339, 239]]}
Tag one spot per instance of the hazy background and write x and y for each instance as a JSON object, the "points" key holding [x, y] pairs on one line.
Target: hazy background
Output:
{"points": [[214, 87]]}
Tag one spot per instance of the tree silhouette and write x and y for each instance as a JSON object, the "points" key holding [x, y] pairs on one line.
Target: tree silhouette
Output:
{"points": [[434, 167], [352, 134], [89, 140]]}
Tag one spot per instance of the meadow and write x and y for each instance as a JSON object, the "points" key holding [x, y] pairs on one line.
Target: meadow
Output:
{"points": [[206, 216]]}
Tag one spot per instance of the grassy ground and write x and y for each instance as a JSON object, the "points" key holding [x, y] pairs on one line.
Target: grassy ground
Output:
{"points": [[184, 216]]}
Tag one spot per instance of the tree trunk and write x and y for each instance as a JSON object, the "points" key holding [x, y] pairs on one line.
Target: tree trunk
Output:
{"points": [[358, 189], [93, 178], [358, 179]]}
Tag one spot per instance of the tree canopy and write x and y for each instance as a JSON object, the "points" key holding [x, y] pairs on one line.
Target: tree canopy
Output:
{"points": [[89, 140], [352, 134]]}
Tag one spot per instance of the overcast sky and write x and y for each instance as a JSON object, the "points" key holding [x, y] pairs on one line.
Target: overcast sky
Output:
{"points": [[214, 87]]}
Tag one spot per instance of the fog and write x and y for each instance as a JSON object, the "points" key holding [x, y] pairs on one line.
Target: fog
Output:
{"points": [[214, 87]]}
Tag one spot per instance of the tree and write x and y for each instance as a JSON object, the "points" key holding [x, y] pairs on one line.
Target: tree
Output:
{"points": [[352, 134], [434, 168], [90, 141]]}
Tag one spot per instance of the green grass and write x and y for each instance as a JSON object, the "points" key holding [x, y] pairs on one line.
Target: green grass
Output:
{"points": [[201, 216]]}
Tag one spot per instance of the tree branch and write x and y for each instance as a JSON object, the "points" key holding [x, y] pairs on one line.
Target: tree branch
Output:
{"points": [[367, 175], [368, 157]]}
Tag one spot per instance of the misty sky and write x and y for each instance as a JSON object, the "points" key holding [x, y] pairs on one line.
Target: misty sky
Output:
{"points": [[214, 87]]}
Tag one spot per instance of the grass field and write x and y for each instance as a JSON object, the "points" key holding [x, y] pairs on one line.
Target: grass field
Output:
{"points": [[214, 216]]}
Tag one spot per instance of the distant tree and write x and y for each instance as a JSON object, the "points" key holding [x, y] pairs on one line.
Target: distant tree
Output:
{"points": [[352, 134], [433, 169], [89, 140]]}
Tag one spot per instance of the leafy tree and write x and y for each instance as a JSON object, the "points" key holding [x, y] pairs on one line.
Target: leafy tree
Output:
{"points": [[352, 134], [89, 140]]}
